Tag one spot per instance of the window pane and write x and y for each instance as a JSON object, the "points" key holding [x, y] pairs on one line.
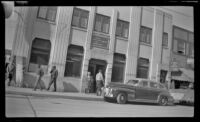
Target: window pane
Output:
{"points": [[106, 22], [51, 15], [84, 19], [125, 30], [165, 39], [42, 12], [119, 28], [180, 34], [143, 67], [75, 19], [74, 61], [98, 23], [181, 47]]}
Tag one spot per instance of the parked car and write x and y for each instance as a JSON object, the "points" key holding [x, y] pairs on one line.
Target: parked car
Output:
{"points": [[140, 90]]}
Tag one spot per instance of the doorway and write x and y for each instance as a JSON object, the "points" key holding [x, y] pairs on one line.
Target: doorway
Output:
{"points": [[94, 66]]}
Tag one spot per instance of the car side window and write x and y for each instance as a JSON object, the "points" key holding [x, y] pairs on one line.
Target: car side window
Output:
{"points": [[143, 84], [161, 86], [133, 82], [153, 85]]}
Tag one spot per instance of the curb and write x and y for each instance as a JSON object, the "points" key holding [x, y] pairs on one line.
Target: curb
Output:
{"points": [[54, 96]]}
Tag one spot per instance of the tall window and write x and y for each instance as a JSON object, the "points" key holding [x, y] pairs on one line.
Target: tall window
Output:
{"points": [[47, 13], [102, 23], [118, 68], [80, 18], [143, 68], [74, 61], [165, 40], [145, 35], [40, 53], [122, 28]]}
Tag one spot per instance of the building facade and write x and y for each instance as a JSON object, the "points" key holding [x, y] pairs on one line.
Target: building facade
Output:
{"points": [[125, 42]]}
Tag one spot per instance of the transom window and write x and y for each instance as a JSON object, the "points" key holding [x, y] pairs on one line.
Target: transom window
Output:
{"points": [[102, 23], [145, 35], [80, 18], [47, 13], [122, 29]]}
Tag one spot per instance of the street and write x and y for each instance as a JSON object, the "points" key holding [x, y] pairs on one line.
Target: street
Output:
{"points": [[31, 106]]}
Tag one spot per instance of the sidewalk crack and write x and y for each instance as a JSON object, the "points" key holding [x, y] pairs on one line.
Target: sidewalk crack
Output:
{"points": [[34, 111]]}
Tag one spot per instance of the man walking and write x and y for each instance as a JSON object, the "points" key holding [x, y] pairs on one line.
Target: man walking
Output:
{"points": [[99, 82], [11, 71], [40, 73], [54, 75]]}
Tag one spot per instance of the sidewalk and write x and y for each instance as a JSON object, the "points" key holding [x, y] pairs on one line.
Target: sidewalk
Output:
{"points": [[44, 93]]}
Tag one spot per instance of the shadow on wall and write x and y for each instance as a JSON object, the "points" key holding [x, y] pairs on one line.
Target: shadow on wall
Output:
{"points": [[68, 87]]}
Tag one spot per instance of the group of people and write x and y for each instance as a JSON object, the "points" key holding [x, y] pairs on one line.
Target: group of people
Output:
{"points": [[99, 82], [40, 73]]}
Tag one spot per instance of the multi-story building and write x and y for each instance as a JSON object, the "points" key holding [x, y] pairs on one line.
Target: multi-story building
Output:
{"points": [[125, 42]]}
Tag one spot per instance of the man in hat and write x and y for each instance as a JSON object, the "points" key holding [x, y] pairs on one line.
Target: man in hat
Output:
{"points": [[54, 75]]}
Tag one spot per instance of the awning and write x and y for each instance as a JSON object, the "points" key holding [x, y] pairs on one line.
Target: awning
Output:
{"points": [[186, 75]]}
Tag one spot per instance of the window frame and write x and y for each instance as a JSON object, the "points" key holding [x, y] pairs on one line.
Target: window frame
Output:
{"points": [[101, 23], [80, 16], [122, 28], [146, 30], [47, 12], [139, 66], [165, 42]]}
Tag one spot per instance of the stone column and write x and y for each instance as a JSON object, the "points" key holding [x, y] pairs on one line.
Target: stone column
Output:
{"points": [[111, 47], [154, 71], [133, 43], [87, 48], [60, 44]]}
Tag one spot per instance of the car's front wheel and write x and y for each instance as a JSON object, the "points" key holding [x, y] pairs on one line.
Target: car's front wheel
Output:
{"points": [[121, 98], [163, 100]]}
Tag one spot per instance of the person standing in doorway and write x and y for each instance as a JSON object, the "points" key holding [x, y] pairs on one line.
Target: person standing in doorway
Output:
{"points": [[54, 75], [99, 82], [40, 73]]}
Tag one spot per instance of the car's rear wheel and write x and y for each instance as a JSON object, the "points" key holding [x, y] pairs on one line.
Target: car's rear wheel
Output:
{"points": [[121, 98], [163, 100]]}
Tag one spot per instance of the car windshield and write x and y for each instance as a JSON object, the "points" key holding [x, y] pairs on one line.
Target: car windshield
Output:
{"points": [[133, 82]]}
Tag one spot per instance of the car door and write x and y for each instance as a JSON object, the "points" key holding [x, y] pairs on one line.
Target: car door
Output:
{"points": [[154, 90], [142, 90]]}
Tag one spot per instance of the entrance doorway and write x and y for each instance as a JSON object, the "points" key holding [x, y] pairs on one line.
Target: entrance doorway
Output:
{"points": [[94, 66]]}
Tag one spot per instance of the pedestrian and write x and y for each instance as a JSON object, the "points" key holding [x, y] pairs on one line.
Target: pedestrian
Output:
{"points": [[89, 83], [11, 71], [40, 74], [99, 82], [54, 75]]}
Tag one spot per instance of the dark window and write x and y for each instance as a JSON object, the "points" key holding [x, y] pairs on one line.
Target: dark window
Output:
{"points": [[122, 29], [47, 13], [102, 23], [118, 68], [80, 18], [145, 35], [143, 68], [40, 54], [74, 61], [165, 40]]}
